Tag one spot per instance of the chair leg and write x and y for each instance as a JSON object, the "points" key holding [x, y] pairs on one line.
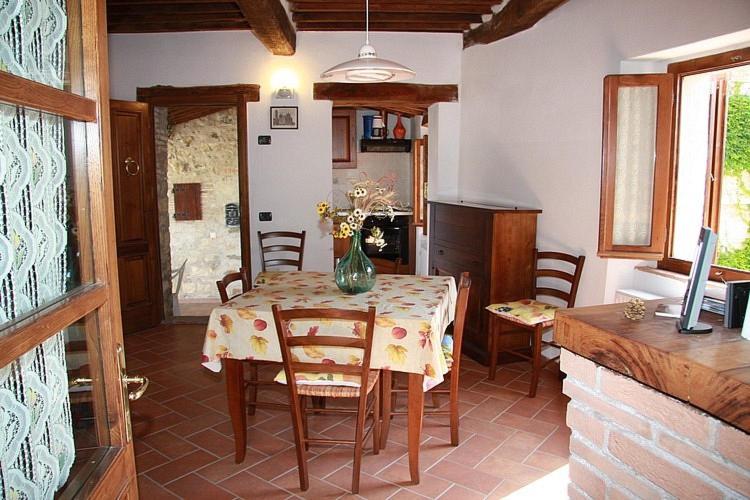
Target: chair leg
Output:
{"points": [[299, 441], [252, 396], [494, 327], [376, 419], [386, 399], [454, 408], [358, 433], [303, 410], [536, 367]]}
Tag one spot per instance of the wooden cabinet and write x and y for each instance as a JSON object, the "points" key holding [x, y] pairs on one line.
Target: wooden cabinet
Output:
{"points": [[496, 246], [344, 138]]}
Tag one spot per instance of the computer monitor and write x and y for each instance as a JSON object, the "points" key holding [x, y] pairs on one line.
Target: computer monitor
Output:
{"points": [[696, 286]]}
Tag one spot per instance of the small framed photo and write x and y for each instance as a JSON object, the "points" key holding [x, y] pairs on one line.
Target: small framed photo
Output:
{"points": [[284, 117]]}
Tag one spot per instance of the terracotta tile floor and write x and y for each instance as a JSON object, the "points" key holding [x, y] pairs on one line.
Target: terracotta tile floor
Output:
{"points": [[184, 444]]}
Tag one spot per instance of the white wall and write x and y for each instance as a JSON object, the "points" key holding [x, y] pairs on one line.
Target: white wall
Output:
{"points": [[531, 112], [291, 175]]}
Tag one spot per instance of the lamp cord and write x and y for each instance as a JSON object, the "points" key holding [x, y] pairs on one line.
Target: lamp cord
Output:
{"points": [[367, 22]]}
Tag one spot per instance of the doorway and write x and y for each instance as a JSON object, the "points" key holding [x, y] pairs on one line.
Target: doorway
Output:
{"points": [[200, 145]]}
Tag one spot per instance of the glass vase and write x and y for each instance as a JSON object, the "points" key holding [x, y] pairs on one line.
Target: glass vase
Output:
{"points": [[355, 273]]}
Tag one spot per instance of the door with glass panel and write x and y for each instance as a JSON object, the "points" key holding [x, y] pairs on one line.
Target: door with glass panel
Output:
{"points": [[64, 390]]}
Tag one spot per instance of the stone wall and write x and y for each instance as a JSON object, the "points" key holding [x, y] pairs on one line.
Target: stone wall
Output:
{"points": [[630, 441], [205, 151], [161, 136]]}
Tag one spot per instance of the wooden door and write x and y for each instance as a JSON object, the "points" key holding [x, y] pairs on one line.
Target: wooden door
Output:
{"points": [[136, 216], [63, 372]]}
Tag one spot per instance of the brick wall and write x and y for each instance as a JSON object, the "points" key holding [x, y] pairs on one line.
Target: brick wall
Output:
{"points": [[630, 441]]}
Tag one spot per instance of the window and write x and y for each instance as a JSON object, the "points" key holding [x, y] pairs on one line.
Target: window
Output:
{"points": [[676, 157], [710, 185]]}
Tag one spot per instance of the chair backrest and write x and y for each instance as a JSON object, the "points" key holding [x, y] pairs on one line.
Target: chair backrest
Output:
{"points": [[460, 318], [287, 341], [296, 247], [243, 275], [387, 266], [567, 294]]}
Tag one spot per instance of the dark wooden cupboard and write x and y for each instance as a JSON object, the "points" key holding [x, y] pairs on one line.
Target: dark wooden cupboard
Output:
{"points": [[495, 245]]}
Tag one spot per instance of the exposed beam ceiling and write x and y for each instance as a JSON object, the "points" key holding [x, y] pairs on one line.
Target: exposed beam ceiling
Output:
{"points": [[480, 21], [516, 16]]}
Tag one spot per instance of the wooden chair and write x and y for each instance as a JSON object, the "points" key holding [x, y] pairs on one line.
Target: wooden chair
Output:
{"points": [[458, 331], [387, 266], [269, 251], [534, 315], [369, 379], [253, 382]]}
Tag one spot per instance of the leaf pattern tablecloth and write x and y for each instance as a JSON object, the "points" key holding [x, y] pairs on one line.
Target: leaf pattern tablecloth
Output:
{"points": [[412, 315]]}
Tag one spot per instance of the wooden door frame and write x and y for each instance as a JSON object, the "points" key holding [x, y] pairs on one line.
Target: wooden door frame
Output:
{"points": [[236, 96], [410, 99]]}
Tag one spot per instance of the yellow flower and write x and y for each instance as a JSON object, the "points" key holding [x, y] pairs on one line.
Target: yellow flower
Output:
{"points": [[322, 208]]}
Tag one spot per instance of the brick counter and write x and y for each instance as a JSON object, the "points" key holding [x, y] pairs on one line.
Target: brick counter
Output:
{"points": [[630, 440]]}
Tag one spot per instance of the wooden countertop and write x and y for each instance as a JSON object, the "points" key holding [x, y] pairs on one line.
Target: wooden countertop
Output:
{"points": [[711, 372], [486, 206]]}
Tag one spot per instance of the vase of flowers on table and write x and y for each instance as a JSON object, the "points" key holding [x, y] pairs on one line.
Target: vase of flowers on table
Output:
{"points": [[355, 272]]}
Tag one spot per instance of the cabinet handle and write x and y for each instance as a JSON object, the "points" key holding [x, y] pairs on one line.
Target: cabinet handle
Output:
{"points": [[441, 252]]}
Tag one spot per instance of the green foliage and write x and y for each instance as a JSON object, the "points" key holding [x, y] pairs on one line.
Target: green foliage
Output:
{"points": [[738, 258], [737, 146]]}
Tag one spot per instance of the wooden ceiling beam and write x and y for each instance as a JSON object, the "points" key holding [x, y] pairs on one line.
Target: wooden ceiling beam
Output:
{"points": [[414, 93], [377, 6], [111, 3], [170, 9], [377, 17], [412, 27], [516, 16], [186, 19], [271, 25], [175, 27]]}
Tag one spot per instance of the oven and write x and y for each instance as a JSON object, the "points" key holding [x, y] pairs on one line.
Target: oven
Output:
{"points": [[395, 234]]}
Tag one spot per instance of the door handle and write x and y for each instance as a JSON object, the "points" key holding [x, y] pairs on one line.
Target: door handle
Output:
{"points": [[136, 394], [132, 396], [130, 162]]}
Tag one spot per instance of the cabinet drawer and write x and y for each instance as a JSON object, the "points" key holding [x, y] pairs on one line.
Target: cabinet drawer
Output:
{"points": [[448, 257], [459, 226]]}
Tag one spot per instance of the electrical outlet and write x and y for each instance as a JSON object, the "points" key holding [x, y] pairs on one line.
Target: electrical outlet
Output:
{"points": [[264, 216]]}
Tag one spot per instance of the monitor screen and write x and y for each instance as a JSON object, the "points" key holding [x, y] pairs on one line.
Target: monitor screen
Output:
{"points": [[696, 286]]}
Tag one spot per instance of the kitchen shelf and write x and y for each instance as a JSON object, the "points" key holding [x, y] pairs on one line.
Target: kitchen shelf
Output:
{"points": [[385, 145]]}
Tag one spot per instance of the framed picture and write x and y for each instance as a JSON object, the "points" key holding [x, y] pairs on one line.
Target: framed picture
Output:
{"points": [[284, 117]]}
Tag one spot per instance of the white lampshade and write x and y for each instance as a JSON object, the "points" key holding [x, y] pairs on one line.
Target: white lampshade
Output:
{"points": [[368, 68]]}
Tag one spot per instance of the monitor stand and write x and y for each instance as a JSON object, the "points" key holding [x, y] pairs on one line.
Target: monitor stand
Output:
{"points": [[699, 328]]}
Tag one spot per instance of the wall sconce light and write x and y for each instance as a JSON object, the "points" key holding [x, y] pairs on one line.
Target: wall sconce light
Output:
{"points": [[284, 83]]}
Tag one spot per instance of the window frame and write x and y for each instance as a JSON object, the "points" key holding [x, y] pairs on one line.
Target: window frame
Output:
{"points": [[680, 70]]}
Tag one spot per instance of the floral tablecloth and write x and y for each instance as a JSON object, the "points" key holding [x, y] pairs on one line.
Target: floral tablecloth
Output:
{"points": [[412, 315]]}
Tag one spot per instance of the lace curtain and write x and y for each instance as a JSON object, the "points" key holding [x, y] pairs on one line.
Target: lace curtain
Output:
{"points": [[36, 436]]}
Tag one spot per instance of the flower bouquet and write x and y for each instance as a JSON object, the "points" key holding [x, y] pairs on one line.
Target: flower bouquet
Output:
{"points": [[355, 273]]}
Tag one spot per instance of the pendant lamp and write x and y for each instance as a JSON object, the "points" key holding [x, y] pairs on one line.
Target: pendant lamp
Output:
{"points": [[368, 67]]}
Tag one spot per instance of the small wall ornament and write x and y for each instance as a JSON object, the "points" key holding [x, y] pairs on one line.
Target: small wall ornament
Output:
{"points": [[635, 309]]}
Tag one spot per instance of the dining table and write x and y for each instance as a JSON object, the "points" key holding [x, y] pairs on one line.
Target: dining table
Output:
{"points": [[412, 314]]}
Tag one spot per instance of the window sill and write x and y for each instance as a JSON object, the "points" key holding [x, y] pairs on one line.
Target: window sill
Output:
{"points": [[714, 289]]}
